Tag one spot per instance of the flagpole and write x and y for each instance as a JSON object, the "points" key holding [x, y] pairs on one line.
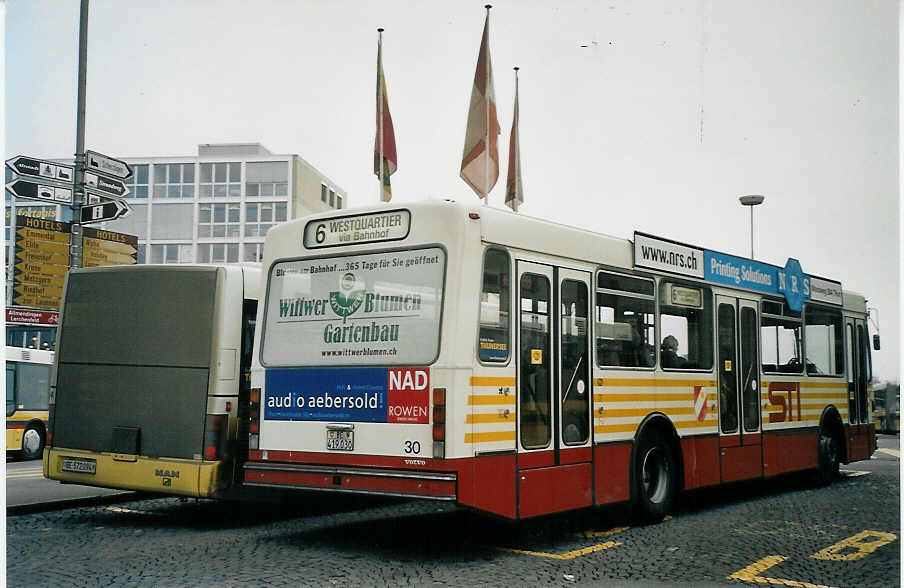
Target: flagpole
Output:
{"points": [[515, 201], [486, 103], [380, 105]]}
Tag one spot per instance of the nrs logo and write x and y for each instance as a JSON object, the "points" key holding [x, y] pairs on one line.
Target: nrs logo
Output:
{"points": [[409, 395]]}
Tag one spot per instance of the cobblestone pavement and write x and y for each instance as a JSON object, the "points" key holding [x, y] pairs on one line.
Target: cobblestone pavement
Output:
{"points": [[781, 533]]}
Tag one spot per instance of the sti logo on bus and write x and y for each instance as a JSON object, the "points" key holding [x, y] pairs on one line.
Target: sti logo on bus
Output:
{"points": [[409, 395]]}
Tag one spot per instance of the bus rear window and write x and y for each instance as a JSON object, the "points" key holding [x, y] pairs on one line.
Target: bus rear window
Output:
{"points": [[370, 309]]}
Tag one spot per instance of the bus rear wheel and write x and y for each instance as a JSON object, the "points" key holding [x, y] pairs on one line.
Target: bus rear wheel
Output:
{"points": [[32, 442], [654, 479], [829, 464]]}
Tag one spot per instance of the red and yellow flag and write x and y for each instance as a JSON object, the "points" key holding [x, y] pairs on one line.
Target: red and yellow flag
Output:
{"points": [[480, 160], [385, 159]]}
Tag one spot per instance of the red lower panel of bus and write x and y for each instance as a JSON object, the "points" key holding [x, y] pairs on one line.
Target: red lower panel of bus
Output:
{"points": [[860, 441], [384, 482], [493, 484], [613, 466], [701, 461], [789, 452], [554, 489]]}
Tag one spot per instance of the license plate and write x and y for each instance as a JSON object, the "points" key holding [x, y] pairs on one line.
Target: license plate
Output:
{"points": [[337, 440], [79, 466]]}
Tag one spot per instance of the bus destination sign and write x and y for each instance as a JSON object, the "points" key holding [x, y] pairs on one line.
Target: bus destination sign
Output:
{"points": [[362, 228]]}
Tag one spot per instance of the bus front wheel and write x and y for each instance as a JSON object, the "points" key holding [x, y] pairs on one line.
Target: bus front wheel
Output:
{"points": [[654, 478], [32, 442]]}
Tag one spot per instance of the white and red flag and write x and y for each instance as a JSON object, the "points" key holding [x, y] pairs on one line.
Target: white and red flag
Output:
{"points": [[385, 159], [480, 160], [514, 193]]}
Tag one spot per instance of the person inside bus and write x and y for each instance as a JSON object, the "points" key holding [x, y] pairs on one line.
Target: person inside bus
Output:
{"points": [[669, 354]]}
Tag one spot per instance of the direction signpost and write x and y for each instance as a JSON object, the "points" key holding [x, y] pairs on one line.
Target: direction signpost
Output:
{"points": [[39, 168], [105, 211], [108, 165], [35, 191], [104, 185], [108, 248], [42, 262]]}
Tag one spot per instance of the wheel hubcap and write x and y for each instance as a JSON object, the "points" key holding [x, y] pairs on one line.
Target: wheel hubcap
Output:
{"points": [[655, 475], [31, 441]]}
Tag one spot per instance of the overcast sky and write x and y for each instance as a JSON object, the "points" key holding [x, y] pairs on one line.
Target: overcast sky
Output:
{"points": [[651, 116]]}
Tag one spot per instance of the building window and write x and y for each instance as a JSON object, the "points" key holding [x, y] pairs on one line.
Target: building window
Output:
{"points": [[218, 253], [219, 220], [221, 180], [332, 199], [266, 178], [260, 216], [171, 253], [338, 201], [174, 180], [323, 193], [138, 183], [253, 252]]}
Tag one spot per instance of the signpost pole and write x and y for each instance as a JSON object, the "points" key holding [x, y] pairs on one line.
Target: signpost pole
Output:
{"points": [[78, 186]]}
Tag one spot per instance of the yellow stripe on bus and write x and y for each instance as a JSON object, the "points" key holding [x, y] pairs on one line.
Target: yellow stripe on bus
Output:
{"points": [[487, 399], [614, 413], [490, 436], [644, 397], [491, 381], [494, 417], [652, 382], [615, 428]]}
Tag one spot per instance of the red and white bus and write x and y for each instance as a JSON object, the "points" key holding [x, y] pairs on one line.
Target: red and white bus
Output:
{"points": [[521, 367]]}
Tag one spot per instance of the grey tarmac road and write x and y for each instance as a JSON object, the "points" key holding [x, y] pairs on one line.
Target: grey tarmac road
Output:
{"points": [[781, 532]]}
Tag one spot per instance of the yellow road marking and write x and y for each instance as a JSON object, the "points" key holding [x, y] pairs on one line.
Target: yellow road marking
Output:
{"points": [[25, 474], [855, 542], [891, 452], [595, 534], [752, 573], [568, 555]]}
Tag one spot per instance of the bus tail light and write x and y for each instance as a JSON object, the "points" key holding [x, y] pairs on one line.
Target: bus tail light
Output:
{"points": [[215, 437], [439, 423], [254, 418]]}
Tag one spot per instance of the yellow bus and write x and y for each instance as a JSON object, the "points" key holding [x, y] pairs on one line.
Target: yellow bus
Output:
{"points": [[521, 367], [151, 374], [27, 400]]}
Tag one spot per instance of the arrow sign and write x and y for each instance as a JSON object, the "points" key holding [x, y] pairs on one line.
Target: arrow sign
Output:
{"points": [[105, 185], [108, 165], [35, 191], [29, 166], [105, 211]]}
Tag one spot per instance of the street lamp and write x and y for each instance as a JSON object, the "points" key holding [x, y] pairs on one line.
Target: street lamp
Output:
{"points": [[751, 201]]}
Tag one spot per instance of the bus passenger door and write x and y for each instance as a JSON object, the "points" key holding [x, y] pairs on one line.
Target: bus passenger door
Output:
{"points": [[857, 347], [740, 441], [553, 381]]}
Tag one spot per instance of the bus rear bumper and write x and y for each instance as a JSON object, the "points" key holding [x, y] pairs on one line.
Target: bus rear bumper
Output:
{"points": [[356, 480], [182, 477]]}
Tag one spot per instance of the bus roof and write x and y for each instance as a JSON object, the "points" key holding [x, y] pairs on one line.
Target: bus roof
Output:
{"points": [[251, 272]]}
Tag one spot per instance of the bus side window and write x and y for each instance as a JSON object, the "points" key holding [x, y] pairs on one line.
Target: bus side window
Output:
{"points": [[685, 326], [10, 390], [495, 294], [624, 329]]}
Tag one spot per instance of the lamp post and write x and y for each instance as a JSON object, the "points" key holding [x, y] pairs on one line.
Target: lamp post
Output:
{"points": [[751, 201]]}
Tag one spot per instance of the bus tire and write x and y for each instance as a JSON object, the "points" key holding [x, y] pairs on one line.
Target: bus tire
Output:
{"points": [[829, 464], [33, 442], [655, 479]]}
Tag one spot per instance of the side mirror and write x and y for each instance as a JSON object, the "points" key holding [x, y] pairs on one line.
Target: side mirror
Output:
{"points": [[876, 345]]}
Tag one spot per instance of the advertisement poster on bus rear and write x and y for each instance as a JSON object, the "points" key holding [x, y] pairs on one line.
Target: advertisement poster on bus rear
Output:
{"points": [[375, 309]]}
